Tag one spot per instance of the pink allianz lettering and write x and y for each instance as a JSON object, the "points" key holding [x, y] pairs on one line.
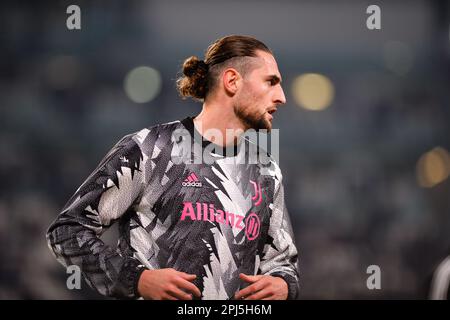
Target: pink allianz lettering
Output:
{"points": [[207, 212]]}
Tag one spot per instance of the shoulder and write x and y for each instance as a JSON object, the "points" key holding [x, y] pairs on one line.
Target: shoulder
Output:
{"points": [[154, 136], [144, 141], [158, 131], [272, 169]]}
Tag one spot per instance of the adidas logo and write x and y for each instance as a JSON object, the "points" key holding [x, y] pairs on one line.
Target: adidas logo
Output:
{"points": [[192, 181]]}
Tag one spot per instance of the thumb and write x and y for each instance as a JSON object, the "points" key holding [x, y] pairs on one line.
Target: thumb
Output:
{"points": [[248, 278]]}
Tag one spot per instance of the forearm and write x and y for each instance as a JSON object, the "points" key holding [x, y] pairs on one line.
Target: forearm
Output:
{"points": [[104, 269], [280, 253]]}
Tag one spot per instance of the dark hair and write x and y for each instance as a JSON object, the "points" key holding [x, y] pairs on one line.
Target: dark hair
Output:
{"points": [[199, 76]]}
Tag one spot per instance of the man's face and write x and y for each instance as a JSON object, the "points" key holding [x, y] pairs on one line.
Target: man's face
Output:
{"points": [[260, 94]]}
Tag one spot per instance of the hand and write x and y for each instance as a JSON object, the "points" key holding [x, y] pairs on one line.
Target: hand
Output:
{"points": [[263, 287], [167, 284]]}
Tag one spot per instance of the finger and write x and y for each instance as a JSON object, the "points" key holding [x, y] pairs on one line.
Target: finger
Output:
{"points": [[184, 284], [250, 290], [249, 278], [179, 294], [187, 276], [244, 293], [259, 295], [168, 297]]}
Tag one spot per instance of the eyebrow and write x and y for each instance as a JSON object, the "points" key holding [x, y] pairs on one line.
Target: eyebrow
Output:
{"points": [[275, 78]]}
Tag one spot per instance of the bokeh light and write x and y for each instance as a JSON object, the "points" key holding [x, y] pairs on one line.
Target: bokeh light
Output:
{"points": [[142, 84], [433, 167], [313, 91]]}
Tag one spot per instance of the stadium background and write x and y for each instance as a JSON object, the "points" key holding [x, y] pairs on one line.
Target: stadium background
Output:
{"points": [[364, 134]]}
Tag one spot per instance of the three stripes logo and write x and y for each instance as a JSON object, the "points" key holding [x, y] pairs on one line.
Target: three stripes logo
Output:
{"points": [[192, 181]]}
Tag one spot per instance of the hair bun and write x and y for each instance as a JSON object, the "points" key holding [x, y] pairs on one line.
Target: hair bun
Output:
{"points": [[193, 66], [194, 83]]}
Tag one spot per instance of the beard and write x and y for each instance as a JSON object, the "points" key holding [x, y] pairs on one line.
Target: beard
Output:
{"points": [[252, 120]]}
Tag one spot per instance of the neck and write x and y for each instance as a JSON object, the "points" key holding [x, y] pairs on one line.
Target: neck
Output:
{"points": [[219, 117]]}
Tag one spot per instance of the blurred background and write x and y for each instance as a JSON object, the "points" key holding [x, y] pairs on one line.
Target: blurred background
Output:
{"points": [[364, 135]]}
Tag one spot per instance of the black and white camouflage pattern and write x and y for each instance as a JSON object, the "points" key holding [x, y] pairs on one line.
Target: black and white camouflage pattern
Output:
{"points": [[139, 186]]}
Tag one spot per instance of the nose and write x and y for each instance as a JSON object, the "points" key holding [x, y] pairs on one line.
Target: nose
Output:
{"points": [[280, 98]]}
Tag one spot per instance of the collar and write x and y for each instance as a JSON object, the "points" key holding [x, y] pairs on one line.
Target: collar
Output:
{"points": [[225, 151]]}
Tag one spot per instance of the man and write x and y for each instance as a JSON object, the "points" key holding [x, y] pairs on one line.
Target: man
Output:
{"points": [[214, 229]]}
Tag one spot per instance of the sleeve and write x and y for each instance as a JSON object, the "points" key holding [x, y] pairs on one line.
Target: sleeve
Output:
{"points": [[104, 197], [280, 257]]}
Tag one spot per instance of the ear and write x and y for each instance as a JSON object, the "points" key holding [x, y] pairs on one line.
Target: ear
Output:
{"points": [[231, 80]]}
